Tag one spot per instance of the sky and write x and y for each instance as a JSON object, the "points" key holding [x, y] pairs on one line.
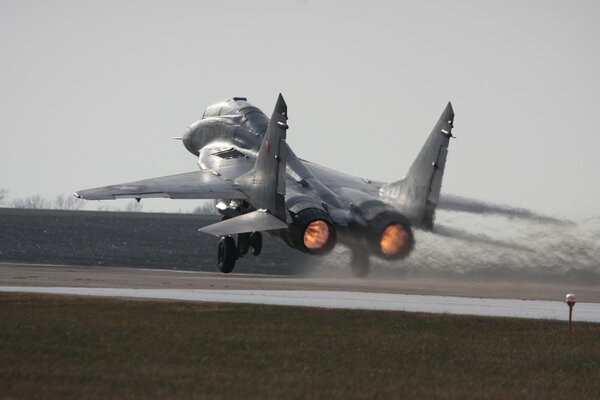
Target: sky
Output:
{"points": [[92, 91]]}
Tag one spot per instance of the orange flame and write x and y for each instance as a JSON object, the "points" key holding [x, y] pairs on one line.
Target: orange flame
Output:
{"points": [[316, 235], [393, 239]]}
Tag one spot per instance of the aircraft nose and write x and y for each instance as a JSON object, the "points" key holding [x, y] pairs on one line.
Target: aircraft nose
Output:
{"points": [[188, 140]]}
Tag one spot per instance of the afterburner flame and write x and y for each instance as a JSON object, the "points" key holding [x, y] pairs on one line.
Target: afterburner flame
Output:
{"points": [[393, 239], [316, 235]]}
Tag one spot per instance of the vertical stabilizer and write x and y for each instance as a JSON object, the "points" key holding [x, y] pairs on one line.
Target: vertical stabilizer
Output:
{"points": [[417, 194], [265, 183]]}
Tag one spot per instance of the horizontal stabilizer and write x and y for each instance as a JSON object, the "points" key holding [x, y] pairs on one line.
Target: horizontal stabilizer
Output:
{"points": [[190, 185], [255, 221]]}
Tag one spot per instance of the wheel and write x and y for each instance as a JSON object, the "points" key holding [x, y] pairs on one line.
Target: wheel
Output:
{"points": [[360, 263], [227, 254], [243, 244], [256, 243]]}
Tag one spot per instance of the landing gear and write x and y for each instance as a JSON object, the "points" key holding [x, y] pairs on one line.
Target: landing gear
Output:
{"points": [[243, 244], [256, 243], [227, 254], [230, 251], [360, 263]]}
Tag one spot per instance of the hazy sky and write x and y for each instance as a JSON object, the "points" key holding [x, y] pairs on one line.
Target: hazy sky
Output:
{"points": [[91, 91]]}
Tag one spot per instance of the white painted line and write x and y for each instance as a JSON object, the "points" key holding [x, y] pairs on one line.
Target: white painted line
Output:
{"points": [[533, 309]]}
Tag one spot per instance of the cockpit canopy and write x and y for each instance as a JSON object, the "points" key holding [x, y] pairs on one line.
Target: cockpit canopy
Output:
{"points": [[249, 116], [229, 107]]}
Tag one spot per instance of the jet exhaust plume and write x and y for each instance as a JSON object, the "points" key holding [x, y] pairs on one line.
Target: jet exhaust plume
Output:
{"points": [[467, 237], [494, 247], [463, 204]]}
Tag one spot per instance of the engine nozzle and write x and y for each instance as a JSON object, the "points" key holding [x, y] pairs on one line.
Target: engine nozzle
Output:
{"points": [[311, 232], [393, 239], [316, 235], [390, 235]]}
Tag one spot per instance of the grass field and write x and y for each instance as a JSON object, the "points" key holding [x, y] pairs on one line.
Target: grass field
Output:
{"points": [[69, 347]]}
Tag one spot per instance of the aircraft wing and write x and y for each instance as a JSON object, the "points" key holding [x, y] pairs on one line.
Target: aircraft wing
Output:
{"points": [[190, 185]]}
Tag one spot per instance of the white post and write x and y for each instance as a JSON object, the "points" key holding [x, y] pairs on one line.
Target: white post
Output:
{"points": [[570, 300]]}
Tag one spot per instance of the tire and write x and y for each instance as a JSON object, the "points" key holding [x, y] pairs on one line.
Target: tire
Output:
{"points": [[256, 243], [243, 244], [227, 254]]}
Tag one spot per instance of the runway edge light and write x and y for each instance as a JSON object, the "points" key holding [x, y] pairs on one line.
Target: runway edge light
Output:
{"points": [[570, 300]]}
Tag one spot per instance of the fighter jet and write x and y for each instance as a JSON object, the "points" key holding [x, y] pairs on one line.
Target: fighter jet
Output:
{"points": [[261, 187]]}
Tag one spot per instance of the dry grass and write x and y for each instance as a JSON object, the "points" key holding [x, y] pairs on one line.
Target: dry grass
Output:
{"points": [[69, 347]]}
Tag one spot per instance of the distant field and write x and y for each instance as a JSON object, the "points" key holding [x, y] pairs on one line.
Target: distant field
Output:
{"points": [[148, 240], [68, 347]]}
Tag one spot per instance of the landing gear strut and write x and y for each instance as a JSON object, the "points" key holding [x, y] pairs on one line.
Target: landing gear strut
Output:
{"points": [[229, 251]]}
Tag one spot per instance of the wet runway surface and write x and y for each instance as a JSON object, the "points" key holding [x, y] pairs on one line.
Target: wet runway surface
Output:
{"points": [[15, 274], [416, 294]]}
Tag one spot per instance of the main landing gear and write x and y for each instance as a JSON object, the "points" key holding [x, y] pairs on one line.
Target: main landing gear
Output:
{"points": [[230, 251]]}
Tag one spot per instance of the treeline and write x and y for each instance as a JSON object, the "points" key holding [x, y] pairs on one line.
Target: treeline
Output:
{"points": [[70, 202], [60, 202]]}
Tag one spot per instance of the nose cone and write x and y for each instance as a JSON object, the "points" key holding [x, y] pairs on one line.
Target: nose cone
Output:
{"points": [[188, 139]]}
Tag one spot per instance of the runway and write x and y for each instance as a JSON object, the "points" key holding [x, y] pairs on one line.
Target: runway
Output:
{"points": [[424, 294], [532, 309]]}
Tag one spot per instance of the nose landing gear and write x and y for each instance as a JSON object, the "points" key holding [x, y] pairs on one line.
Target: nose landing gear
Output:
{"points": [[229, 251]]}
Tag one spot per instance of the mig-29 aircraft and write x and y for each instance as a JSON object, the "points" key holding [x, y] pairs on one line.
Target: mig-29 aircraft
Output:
{"points": [[261, 186]]}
